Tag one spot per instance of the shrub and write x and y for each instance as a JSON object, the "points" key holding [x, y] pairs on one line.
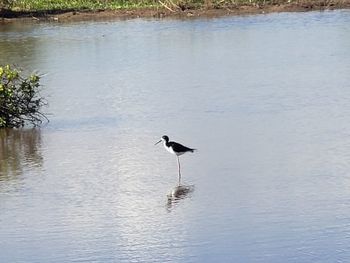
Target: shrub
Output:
{"points": [[5, 4], [20, 101]]}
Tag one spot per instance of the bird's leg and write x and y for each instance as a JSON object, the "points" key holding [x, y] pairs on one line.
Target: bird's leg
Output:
{"points": [[178, 163]]}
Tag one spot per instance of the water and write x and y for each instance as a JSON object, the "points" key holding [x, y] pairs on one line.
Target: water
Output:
{"points": [[264, 99]]}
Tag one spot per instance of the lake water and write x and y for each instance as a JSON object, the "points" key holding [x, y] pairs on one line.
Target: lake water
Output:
{"points": [[265, 99]]}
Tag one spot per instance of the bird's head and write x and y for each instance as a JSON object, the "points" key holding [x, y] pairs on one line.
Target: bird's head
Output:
{"points": [[164, 139]]}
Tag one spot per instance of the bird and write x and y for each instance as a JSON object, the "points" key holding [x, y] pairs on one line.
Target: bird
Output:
{"points": [[175, 148]]}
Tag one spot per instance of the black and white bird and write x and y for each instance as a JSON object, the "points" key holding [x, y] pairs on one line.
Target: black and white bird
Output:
{"points": [[175, 148]]}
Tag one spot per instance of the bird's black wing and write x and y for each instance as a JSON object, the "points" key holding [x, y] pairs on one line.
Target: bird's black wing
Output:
{"points": [[177, 147]]}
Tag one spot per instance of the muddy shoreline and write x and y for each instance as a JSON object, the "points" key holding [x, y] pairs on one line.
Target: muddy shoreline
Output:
{"points": [[82, 15]]}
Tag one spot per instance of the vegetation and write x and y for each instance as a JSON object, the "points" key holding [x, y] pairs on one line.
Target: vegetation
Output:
{"points": [[45, 5], [40, 5], [20, 101]]}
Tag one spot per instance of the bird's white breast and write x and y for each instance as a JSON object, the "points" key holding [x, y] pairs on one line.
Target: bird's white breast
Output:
{"points": [[169, 149]]}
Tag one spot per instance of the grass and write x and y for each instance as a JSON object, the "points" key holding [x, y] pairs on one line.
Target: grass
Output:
{"points": [[43, 5], [40, 5]]}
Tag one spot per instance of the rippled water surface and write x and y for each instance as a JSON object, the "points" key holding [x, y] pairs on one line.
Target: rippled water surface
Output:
{"points": [[265, 99]]}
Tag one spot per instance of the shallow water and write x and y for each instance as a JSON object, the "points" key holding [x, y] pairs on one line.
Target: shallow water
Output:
{"points": [[264, 99]]}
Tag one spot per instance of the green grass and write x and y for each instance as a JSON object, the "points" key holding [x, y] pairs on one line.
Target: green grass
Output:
{"points": [[40, 5]]}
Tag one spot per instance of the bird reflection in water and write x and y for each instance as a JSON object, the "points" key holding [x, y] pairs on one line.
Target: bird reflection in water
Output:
{"points": [[178, 193]]}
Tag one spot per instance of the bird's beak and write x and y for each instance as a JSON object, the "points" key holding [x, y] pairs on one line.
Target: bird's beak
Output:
{"points": [[157, 142]]}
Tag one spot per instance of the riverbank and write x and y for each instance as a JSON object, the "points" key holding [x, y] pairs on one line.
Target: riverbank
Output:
{"points": [[168, 9]]}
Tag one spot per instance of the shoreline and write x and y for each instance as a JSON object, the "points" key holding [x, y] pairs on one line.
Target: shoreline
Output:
{"points": [[164, 12]]}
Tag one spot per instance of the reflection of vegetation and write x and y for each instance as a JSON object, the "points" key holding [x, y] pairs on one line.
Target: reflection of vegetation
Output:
{"points": [[20, 101], [24, 49], [18, 148]]}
